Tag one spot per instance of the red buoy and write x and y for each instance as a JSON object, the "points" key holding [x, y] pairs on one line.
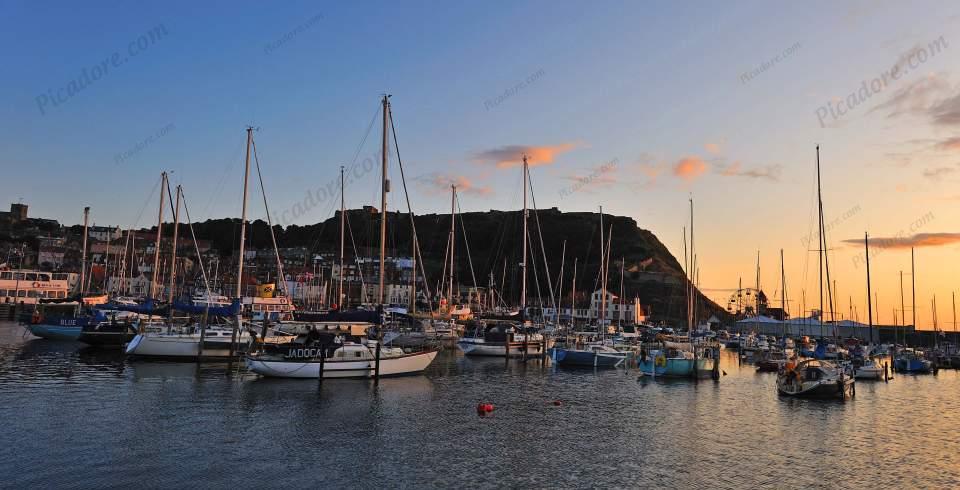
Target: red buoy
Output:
{"points": [[557, 403]]}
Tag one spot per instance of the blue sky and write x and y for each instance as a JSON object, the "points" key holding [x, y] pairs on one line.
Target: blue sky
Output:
{"points": [[657, 88]]}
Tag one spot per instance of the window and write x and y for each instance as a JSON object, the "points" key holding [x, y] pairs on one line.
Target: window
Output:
{"points": [[19, 276], [60, 277], [6, 275], [3, 292], [61, 294], [33, 293], [31, 277], [21, 294]]}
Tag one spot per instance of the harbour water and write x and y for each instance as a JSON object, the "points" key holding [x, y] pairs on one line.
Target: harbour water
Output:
{"points": [[78, 418]]}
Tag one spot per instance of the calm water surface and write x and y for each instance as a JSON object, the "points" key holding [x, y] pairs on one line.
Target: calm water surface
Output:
{"points": [[73, 417]]}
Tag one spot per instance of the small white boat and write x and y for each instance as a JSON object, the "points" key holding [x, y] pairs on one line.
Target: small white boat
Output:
{"points": [[185, 343], [866, 368], [350, 360]]}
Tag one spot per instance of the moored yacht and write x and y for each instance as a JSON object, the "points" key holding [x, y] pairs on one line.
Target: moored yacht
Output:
{"points": [[502, 339], [337, 355], [814, 378]]}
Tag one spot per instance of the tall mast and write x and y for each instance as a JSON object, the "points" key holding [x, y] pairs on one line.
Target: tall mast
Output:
{"points": [[384, 189], [783, 294], [691, 272], [156, 249], [903, 311], [83, 254], [820, 239], [866, 246], [620, 300], [563, 259], [343, 218], [243, 237], [603, 279], [173, 249], [453, 241], [913, 293], [573, 293], [523, 264]]}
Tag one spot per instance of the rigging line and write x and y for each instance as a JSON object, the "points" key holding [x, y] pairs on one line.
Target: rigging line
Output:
{"points": [[363, 141], [196, 247], [273, 237], [356, 260], [149, 199], [467, 246], [406, 195], [536, 217], [536, 277], [215, 195]]}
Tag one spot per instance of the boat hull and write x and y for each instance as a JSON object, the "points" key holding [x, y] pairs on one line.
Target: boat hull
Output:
{"points": [[107, 335], [676, 368], [55, 332], [913, 366], [823, 391], [478, 347], [583, 358], [184, 346], [333, 368]]}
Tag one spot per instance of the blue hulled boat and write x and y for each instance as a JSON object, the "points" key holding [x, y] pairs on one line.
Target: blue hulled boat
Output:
{"points": [[912, 362], [675, 360], [592, 355], [57, 327]]}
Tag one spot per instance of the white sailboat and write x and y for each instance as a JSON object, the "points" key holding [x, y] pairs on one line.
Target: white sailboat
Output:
{"points": [[314, 355], [196, 341]]}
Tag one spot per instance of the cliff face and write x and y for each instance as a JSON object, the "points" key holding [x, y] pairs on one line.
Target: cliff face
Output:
{"points": [[494, 241]]}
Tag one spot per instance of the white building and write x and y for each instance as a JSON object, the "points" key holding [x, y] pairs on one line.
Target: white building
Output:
{"points": [[629, 313]]}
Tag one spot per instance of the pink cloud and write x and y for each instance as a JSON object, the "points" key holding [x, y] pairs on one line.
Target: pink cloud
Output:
{"points": [[689, 168], [512, 155], [440, 184]]}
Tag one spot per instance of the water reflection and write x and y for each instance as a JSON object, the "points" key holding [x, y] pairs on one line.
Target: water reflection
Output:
{"points": [[78, 417]]}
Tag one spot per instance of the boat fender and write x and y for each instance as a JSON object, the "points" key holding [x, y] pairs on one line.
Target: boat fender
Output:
{"points": [[661, 361], [36, 317]]}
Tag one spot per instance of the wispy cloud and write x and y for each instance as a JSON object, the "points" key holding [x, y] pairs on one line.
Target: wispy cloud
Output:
{"points": [[440, 184], [949, 144], [931, 97], [938, 172], [713, 148], [916, 240], [736, 169], [689, 168], [512, 155]]}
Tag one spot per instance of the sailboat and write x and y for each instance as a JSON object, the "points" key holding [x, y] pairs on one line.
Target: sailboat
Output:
{"points": [[867, 366], [66, 319], [503, 338], [195, 341], [814, 378], [351, 353], [594, 354], [682, 359]]}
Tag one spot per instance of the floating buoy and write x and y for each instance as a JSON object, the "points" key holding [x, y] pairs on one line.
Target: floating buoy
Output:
{"points": [[484, 408], [557, 403], [488, 407]]}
